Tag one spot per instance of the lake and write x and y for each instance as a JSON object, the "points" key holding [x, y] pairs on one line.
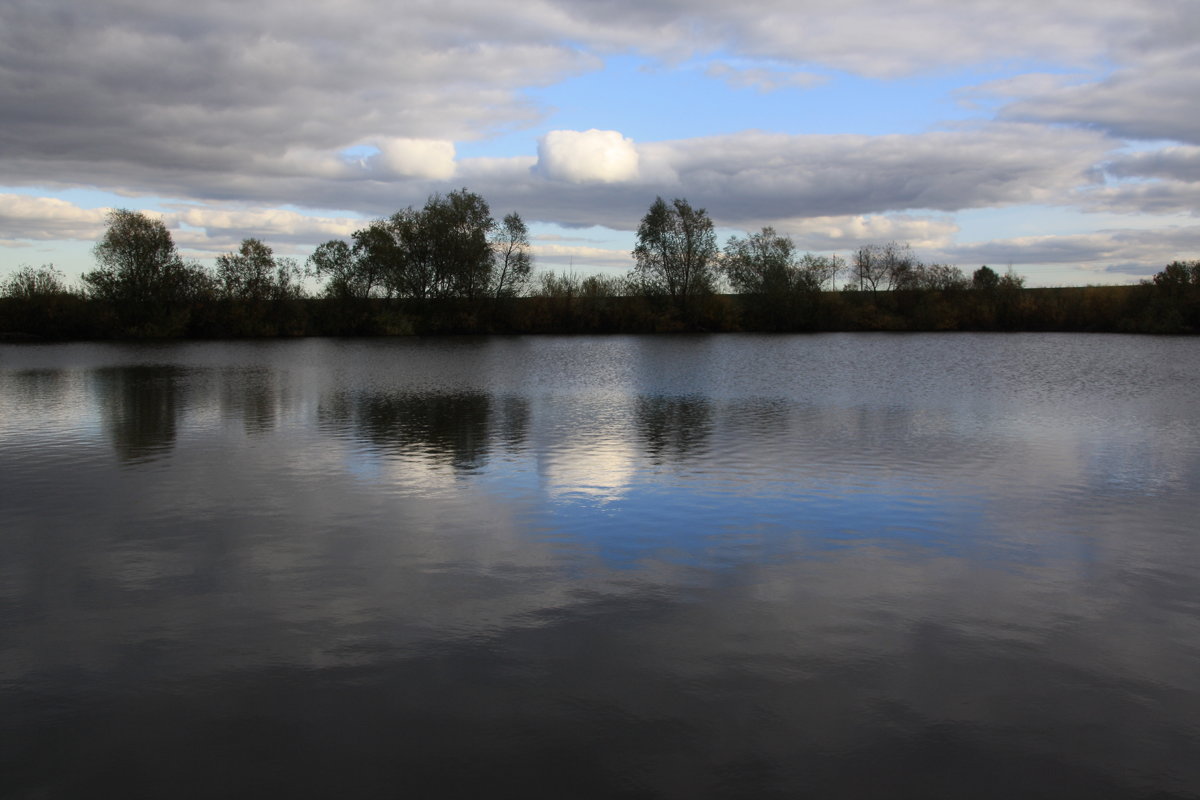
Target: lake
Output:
{"points": [[858, 565]]}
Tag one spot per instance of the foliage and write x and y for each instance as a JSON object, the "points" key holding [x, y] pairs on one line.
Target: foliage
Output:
{"points": [[763, 263], [781, 288], [142, 277], [352, 272], [259, 291], [334, 262], [1174, 305], [915, 276], [440, 252], [246, 274], [944, 278], [1179, 278]]}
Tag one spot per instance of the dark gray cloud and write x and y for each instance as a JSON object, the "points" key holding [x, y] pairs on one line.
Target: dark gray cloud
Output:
{"points": [[1175, 163], [877, 38], [128, 94], [785, 176], [1153, 197], [1161, 181], [1149, 99], [1140, 87]]}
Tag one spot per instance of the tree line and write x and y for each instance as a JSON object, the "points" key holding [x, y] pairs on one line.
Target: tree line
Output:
{"points": [[450, 266]]}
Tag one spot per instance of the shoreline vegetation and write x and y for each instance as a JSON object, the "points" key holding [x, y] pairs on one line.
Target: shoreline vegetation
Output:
{"points": [[451, 268]]}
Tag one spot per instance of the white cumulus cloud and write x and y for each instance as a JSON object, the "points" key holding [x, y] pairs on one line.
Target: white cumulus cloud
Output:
{"points": [[429, 159], [424, 158], [591, 156]]}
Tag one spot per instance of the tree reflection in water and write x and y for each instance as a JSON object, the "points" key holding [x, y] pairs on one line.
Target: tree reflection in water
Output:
{"points": [[458, 429], [673, 428], [140, 406]]}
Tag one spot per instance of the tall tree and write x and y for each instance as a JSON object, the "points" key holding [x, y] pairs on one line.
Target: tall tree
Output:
{"points": [[676, 251], [457, 227], [513, 262]]}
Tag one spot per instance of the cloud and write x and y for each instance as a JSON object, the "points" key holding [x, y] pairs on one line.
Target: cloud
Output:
{"points": [[944, 171], [582, 259], [222, 229], [46, 218], [848, 233], [1017, 86], [874, 38], [1128, 251], [759, 177], [204, 102], [198, 228], [1150, 99], [591, 156], [1160, 181], [431, 159], [1177, 163], [1153, 197]]}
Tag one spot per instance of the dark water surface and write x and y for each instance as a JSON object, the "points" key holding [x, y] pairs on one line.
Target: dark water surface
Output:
{"points": [[851, 566]]}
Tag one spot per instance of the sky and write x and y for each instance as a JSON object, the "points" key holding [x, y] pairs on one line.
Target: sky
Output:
{"points": [[1060, 138]]}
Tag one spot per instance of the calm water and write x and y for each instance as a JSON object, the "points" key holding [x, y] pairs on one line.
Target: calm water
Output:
{"points": [[682, 567]]}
